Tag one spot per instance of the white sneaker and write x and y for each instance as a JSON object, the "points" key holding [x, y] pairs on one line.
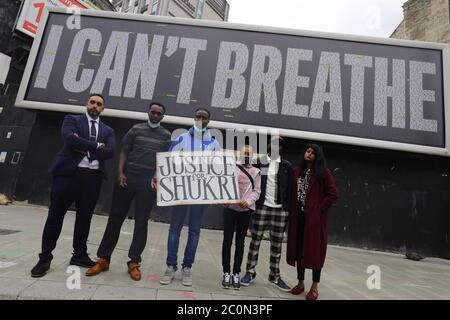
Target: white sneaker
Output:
{"points": [[236, 281], [187, 278], [168, 276], [226, 281]]}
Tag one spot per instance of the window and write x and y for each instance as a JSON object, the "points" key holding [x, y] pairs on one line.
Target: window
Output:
{"points": [[155, 5], [132, 6], [144, 8], [16, 157], [220, 6]]}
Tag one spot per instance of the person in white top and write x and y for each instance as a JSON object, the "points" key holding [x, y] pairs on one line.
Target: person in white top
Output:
{"points": [[272, 211]]}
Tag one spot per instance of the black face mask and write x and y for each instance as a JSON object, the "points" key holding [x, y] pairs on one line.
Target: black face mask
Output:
{"points": [[247, 160]]}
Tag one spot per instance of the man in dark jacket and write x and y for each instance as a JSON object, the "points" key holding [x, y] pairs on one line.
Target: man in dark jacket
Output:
{"points": [[77, 172], [272, 211]]}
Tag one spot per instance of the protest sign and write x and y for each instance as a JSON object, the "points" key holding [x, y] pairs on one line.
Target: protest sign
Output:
{"points": [[198, 177]]}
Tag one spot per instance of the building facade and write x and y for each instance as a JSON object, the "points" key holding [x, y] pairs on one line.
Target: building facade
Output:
{"points": [[193, 9], [104, 5], [425, 20]]}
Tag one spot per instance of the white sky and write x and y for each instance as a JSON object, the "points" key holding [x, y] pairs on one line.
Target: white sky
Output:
{"points": [[362, 17]]}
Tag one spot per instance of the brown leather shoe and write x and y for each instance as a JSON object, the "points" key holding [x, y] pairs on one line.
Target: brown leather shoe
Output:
{"points": [[101, 265], [133, 270]]}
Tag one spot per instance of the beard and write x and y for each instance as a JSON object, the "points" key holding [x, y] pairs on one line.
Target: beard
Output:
{"points": [[93, 113]]}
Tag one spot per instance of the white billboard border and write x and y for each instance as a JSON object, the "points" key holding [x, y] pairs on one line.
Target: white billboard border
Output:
{"points": [[305, 135]]}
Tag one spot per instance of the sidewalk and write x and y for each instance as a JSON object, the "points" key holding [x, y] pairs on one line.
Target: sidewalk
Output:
{"points": [[344, 275]]}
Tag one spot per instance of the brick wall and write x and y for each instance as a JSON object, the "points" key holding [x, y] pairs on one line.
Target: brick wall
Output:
{"points": [[425, 20]]}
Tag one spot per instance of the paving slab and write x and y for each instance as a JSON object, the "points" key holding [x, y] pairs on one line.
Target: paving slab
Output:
{"points": [[344, 276]]}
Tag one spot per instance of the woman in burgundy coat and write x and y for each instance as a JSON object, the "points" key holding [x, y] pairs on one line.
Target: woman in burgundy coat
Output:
{"points": [[314, 191]]}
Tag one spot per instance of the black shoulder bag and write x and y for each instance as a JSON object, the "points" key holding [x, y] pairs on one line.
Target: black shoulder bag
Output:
{"points": [[247, 174]]}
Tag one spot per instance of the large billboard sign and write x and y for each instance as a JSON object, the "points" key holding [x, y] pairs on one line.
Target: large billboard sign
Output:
{"points": [[382, 93]]}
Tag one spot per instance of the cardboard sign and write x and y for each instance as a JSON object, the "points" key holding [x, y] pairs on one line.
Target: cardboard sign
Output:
{"points": [[198, 177]]}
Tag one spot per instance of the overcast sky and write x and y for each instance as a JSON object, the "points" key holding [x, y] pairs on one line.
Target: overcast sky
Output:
{"points": [[362, 17]]}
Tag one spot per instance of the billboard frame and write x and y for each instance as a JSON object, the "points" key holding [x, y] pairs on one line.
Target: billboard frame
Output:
{"points": [[305, 135]]}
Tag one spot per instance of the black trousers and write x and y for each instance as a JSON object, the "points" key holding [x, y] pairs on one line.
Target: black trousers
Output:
{"points": [[239, 221], [300, 233], [81, 187], [140, 190]]}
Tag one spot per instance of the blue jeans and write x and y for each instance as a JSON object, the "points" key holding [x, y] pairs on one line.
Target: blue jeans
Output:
{"points": [[176, 224]]}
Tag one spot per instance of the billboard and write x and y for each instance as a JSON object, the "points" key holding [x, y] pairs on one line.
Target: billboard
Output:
{"points": [[364, 91]]}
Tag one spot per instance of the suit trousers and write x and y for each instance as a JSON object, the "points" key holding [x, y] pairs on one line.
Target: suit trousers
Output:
{"points": [[81, 187]]}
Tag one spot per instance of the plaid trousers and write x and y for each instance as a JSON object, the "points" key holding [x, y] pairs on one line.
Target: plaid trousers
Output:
{"points": [[275, 220]]}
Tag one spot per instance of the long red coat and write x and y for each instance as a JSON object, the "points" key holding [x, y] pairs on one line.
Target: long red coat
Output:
{"points": [[318, 201]]}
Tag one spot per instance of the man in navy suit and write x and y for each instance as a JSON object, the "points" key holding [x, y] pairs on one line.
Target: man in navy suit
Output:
{"points": [[77, 172]]}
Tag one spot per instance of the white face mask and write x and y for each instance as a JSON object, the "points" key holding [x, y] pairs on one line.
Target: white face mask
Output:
{"points": [[198, 129], [153, 125]]}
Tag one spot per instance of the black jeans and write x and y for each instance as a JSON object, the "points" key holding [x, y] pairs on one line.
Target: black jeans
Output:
{"points": [[140, 189], [300, 232], [239, 221], [81, 187]]}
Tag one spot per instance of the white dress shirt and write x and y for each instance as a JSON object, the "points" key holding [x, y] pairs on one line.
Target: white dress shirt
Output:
{"points": [[94, 165], [271, 187]]}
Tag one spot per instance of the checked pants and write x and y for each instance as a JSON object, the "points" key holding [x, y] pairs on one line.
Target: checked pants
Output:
{"points": [[275, 220]]}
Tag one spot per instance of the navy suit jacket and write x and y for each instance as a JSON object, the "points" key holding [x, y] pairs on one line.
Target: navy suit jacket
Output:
{"points": [[68, 158]]}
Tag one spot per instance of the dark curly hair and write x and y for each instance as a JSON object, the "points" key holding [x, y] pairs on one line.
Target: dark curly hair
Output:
{"points": [[319, 164]]}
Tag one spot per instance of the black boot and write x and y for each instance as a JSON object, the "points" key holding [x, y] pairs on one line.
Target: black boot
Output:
{"points": [[82, 261], [40, 269]]}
